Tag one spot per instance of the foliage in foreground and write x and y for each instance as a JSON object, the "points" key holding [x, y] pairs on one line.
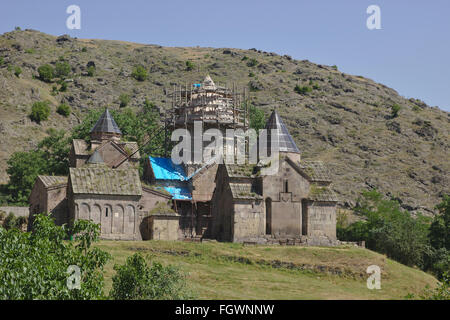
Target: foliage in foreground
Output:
{"points": [[413, 241], [135, 280], [35, 265]]}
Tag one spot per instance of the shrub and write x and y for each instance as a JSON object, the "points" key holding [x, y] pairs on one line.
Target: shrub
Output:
{"points": [[62, 69], [10, 222], [124, 99], [40, 111], [139, 73], [63, 87], [17, 71], [395, 109], [2, 215], [2, 61], [91, 71], [190, 66], [302, 90], [252, 63], [64, 110], [30, 51], [135, 280], [46, 72], [251, 74], [41, 261], [84, 49]]}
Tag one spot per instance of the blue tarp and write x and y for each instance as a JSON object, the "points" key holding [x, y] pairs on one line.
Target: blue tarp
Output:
{"points": [[165, 169], [179, 193]]}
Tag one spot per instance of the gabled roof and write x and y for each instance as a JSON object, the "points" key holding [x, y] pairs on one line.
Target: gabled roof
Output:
{"points": [[165, 169], [244, 191], [316, 171], [241, 170], [105, 181], [321, 193], [80, 147], [53, 181], [106, 124], [285, 141]]}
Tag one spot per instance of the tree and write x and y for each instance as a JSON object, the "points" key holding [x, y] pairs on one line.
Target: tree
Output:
{"points": [[40, 111], [257, 118], [440, 227], [139, 73], [135, 280], [35, 265], [46, 72], [389, 230], [62, 69]]}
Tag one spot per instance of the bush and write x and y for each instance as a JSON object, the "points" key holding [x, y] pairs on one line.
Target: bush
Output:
{"points": [[91, 71], [190, 66], [302, 90], [46, 72], [40, 111], [41, 261], [63, 87], [10, 222], [257, 118], [389, 230], [64, 110], [124, 99], [17, 71], [2, 61], [139, 73], [395, 109], [252, 63], [62, 69], [135, 280], [84, 49]]}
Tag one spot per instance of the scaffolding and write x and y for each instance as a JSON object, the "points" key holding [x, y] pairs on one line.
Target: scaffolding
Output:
{"points": [[222, 107]]}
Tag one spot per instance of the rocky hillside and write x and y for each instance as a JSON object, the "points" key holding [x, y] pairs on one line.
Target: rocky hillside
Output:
{"points": [[345, 120]]}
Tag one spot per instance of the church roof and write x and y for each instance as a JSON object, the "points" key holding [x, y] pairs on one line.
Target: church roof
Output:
{"points": [[244, 191], [96, 158], [106, 124], [105, 181], [321, 193], [53, 181], [316, 170], [285, 141]]}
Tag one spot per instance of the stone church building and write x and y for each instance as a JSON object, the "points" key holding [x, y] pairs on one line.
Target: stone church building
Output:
{"points": [[235, 203]]}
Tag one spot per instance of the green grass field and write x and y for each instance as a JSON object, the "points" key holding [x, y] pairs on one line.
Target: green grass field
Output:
{"points": [[233, 271]]}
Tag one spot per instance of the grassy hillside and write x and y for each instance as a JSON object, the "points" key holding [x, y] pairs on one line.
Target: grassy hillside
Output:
{"points": [[342, 119], [233, 271]]}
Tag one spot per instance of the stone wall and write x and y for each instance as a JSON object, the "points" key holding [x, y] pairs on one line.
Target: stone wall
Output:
{"points": [[17, 211], [322, 219], [118, 216], [249, 220], [164, 227]]}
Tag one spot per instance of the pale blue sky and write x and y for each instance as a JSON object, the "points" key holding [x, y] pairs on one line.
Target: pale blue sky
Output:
{"points": [[411, 53]]}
